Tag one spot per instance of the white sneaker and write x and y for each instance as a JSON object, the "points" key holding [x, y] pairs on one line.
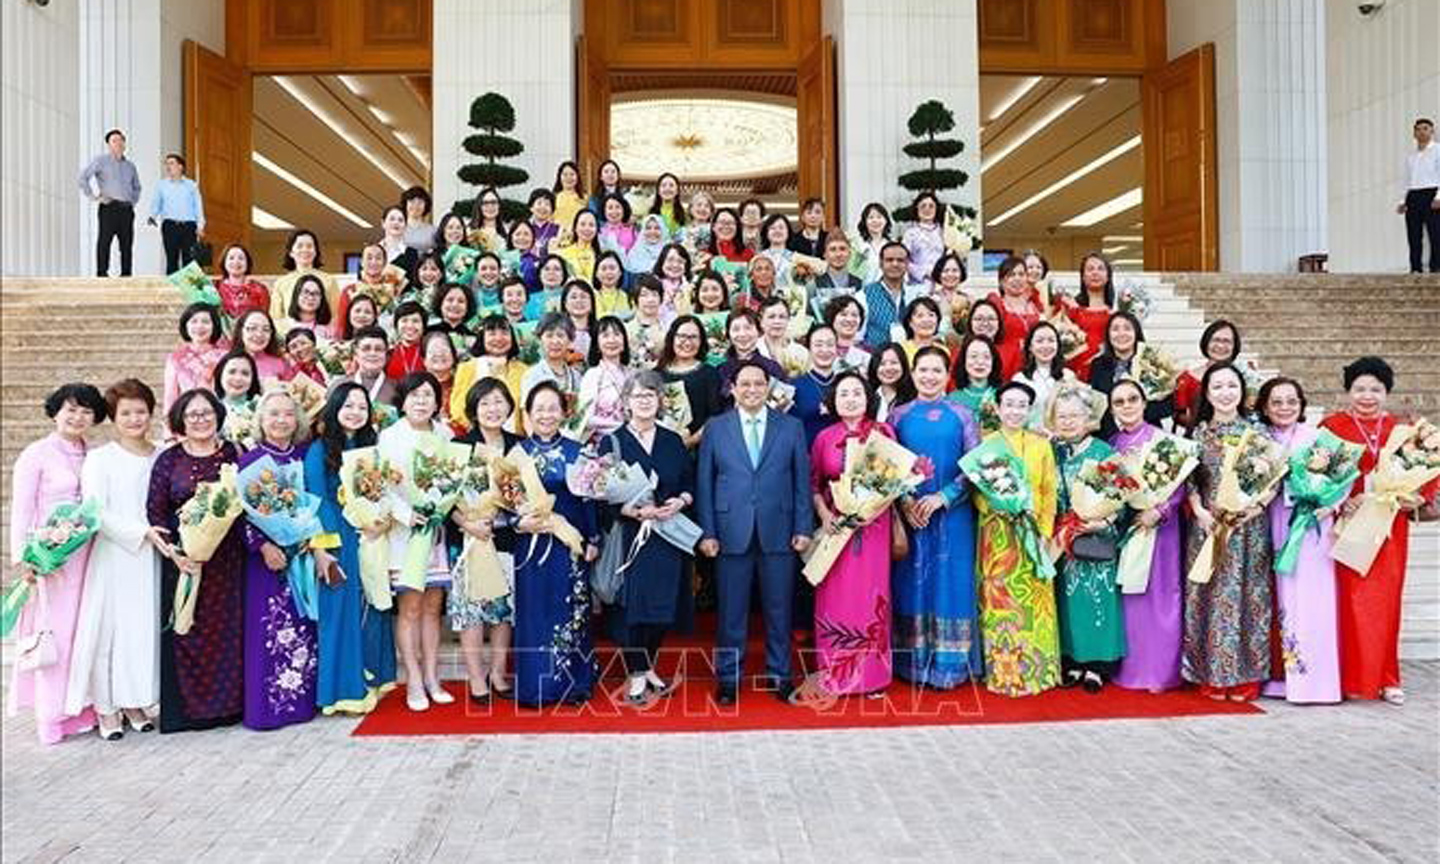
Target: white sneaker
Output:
{"points": [[439, 695], [416, 700]]}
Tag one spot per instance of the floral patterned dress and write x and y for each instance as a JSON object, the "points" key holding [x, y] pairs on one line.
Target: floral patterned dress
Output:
{"points": [[1227, 620], [281, 660], [1092, 623], [1017, 608], [553, 644]]}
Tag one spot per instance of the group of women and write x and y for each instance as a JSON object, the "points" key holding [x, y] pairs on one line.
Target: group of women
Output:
{"points": [[590, 326]]}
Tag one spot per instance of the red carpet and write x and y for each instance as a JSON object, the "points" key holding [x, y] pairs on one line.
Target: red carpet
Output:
{"points": [[692, 709]]}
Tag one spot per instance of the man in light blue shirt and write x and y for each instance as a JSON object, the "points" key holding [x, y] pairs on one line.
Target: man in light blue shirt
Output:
{"points": [[111, 180], [182, 215]]}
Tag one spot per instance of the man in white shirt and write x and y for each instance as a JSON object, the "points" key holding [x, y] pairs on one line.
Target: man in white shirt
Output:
{"points": [[1421, 207]]}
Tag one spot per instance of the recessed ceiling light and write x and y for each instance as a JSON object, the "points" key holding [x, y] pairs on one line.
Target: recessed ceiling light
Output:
{"points": [[1093, 165], [1025, 85], [990, 160], [1123, 238], [1119, 204], [1111, 250], [269, 165], [324, 116], [1129, 262], [267, 221]]}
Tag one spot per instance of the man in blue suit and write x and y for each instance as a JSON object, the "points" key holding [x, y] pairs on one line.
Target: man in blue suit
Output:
{"points": [[754, 505]]}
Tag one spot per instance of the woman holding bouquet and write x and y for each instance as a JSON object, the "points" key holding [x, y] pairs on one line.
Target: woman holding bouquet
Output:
{"points": [[1305, 597], [1370, 602], [489, 406], [117, 639], [202, 671], [1227, 619], [556, 334], [1152, 618], [1017, 603], [1123, 336], [936, 638], [202, 344], [1092, 625], [852, 604], [683, 360], [494, 354], [280, 655], [355, 641], [1091, 309], [46, 475], [1043, 369], [656, 594], [1020, 307], [1220, 343], [602, 384], [553, 644], [417, 630]]}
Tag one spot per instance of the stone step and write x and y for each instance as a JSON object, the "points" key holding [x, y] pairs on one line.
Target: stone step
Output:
{"points": [[1390, 347]]}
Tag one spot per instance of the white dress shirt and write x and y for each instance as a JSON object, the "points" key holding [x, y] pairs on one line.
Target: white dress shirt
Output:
{"points": [[1422, 168]]}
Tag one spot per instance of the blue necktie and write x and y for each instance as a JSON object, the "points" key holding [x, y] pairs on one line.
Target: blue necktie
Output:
{"points": [[752, 440]]}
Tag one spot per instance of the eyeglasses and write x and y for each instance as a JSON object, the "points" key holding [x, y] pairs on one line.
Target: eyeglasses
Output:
{"points": [[199, 416], [688, 337]]}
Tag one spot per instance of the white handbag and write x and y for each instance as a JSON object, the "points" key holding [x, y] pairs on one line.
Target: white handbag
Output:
{"points": [[37, 650]]}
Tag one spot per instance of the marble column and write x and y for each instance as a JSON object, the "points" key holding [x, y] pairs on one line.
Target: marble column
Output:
{"points": [[893, 55], [522, 49]]}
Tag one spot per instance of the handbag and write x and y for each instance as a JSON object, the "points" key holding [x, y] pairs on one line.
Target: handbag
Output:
{"points": [[1094, 547], [606, 580], [38, 650], [899, 538], [202, 253]]}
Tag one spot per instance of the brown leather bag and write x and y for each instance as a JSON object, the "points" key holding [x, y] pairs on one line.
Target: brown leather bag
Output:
{"points": [[899, 537]]}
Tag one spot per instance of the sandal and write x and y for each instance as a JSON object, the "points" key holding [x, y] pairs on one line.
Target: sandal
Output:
{"points": [[113, 733], [144, 724]]}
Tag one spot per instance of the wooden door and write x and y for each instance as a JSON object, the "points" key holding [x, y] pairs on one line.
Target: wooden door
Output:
{"points": [[1181, 198], [818, 168], [218, 115], [592, 109]]}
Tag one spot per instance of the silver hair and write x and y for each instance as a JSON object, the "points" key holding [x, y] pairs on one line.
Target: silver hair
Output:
{"points": [[644, 379]]}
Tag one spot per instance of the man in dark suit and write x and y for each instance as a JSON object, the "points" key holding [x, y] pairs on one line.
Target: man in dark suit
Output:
{"points": [[753, 500]]}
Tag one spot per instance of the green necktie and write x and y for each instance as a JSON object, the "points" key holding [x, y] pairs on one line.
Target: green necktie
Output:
{"points": [[752, 440]]}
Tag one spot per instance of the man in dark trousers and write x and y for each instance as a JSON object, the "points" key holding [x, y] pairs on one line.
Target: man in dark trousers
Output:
{"points": [[116, 187], [1421, 206], [753, 500]]}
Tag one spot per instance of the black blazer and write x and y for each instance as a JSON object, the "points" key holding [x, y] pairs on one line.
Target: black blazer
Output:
{"points": [[1102, 378]]}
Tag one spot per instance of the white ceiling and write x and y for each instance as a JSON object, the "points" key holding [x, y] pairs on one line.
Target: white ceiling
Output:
{"points": [[1038, 148], [357, 140]]}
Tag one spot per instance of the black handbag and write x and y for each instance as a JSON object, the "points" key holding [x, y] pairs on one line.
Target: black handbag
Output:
{"points": [[202, 253], [1094, 547]]}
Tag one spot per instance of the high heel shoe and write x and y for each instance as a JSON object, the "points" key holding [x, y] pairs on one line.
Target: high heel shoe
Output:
{"points": [[144, 724], [438, 694], [113, 733]]}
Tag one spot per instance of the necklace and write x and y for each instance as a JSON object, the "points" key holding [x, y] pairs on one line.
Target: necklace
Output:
{"points": [[1372, 439], [276, 451]]}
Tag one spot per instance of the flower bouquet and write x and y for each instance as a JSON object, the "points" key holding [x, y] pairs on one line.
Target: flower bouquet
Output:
{"points": [[861, 255], [1155, 371], [277, 505], [478, 573], [794, 360], [1135, 299], [999, 476], [1158, 468], [715, 336], [204, 521], [675, 410], [460, 264], [515, 486], [988, 417], [194, 285], [781, 395], [383, 416], [1251, 466], [1073, 340], [1101, 489], [578, 424], [239, 426], [430, 489], [960, 234], [511, 261], [1320, 477], [309, 396], [736, 273], [877, 472], [335, 357], [1409, 460], [386, 291], [368, 483], [527, 343], [66, 531], [607, 479]]}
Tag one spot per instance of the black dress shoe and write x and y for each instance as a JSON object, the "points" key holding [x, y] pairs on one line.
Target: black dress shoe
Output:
{"points": [[725, 695], [784, 690]]}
